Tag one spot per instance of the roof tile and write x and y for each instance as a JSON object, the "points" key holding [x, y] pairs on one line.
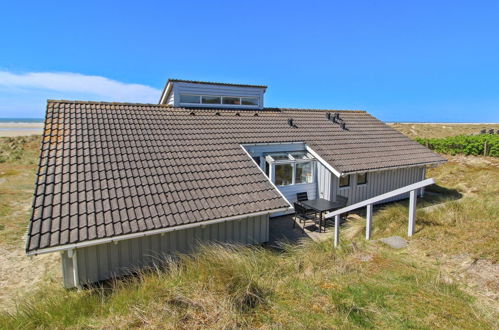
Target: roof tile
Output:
{"points": [[109, 169]]}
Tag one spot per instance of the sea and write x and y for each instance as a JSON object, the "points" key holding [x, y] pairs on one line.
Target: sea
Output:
{"points": [[21, 120]]}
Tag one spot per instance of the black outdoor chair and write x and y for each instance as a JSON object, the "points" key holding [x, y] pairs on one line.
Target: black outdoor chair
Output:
{"points": [[345, 202], [344, 216], [303, 214], [302, 196]]}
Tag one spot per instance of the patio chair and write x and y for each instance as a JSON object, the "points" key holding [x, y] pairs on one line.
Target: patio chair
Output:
{"points": [[303, 215], [343, 199], [302, 196], [344, 216]]}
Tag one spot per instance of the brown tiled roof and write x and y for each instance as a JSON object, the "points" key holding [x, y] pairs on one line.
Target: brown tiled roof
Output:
{"points": [[111, 169]]}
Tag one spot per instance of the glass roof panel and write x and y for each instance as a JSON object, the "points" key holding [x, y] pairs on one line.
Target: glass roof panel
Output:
{"points": [[280, 156], [300, 155]]}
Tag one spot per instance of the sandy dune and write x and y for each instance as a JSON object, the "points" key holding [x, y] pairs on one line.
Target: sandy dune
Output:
{"points": [[20, 129]]}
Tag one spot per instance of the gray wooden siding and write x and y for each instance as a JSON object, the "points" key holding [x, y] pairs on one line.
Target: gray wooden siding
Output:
{"points": [[290, 191], [101, 262], [377, 183]]}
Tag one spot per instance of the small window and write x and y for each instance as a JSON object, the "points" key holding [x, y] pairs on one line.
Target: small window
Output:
{"points": [[231, 100], [344, 181], [249, 101], [267, 168], [304, 173], [361, 178], [283, 174], [210, 99], [185, 98]]}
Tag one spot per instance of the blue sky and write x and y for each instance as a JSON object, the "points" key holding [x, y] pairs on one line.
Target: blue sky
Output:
{"points": [[399, 60]]}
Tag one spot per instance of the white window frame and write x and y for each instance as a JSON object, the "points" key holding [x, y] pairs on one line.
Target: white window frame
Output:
{"points": [[349, 182], [293, 161], [357, 179]]}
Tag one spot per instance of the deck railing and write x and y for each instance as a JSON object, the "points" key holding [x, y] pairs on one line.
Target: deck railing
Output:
{"points": [[368, 203]]}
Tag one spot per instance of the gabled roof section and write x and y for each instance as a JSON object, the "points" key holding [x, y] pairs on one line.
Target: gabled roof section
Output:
{"points": [[113, 169], [169, 83], [214, 83]]}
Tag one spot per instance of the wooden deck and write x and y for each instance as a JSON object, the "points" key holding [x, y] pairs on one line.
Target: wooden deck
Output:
{"points": [[281, 230]]}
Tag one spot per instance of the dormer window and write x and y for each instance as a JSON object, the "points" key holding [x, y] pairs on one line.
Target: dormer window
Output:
{"points": [[190, 99], [231, 100], [184, 93], [211, 99], [249, 101]]}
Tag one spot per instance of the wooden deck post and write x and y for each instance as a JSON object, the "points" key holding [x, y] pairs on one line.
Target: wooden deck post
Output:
{"points": [[412, 212], [76, 277], [336, 230], [369, 218]]}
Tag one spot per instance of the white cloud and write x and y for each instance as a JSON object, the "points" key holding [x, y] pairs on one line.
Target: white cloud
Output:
{"points": [[76, 86]]}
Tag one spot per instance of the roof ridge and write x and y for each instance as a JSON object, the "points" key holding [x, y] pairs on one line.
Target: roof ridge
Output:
{"points": [[311, 109], [204, 109], [214, 83], [109, 102]]}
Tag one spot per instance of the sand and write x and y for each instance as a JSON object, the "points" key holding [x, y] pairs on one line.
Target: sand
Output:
{"points": [[20, 129]]}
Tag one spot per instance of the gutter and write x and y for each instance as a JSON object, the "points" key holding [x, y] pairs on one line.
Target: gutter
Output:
{"points": [[396, 167], [151, 232]]}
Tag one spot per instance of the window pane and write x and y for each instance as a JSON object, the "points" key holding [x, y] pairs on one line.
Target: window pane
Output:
{"points": [[257, 160], [211, 99], [249, 100], [184, 98], [283, 174], [281, 156], [231, 100], [300, 155], [362, 178], [304, 173], [345, 181]]}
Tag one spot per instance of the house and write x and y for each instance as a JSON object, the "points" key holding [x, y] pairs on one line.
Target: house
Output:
{"points": [[120, 185]]}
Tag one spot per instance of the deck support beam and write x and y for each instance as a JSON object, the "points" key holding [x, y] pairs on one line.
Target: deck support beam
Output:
{"points": [[336, 230], [412, 212], [369, 221]]}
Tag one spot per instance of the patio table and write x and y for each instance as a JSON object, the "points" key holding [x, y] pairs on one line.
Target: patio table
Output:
{"points": [[322, 205]]}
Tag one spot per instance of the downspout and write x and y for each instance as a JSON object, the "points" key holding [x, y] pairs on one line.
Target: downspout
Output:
{"points": [[76, 277]]}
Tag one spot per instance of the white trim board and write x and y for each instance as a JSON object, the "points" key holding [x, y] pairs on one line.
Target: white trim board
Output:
{"points": [[323, 162], [382, 197]]}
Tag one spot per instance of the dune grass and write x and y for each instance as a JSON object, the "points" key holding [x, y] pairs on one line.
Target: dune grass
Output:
{"points": [[309, 285], [440, 130], [18, 163]]}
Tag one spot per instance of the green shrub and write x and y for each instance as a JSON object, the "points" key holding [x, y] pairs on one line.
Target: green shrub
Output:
{"points": [[464, 144]]}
